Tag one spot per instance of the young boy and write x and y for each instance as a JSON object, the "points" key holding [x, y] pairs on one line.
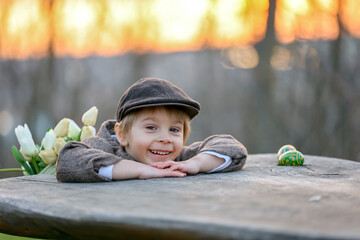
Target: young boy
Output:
{"points": [[147, 141]]}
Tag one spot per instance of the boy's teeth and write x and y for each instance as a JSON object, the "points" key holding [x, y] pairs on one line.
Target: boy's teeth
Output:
{"points": [[161, 153]]}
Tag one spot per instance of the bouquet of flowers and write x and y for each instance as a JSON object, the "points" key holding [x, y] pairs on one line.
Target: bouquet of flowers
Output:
{"points": [[35, 159]]}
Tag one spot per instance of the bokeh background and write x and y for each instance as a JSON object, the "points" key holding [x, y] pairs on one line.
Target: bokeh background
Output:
{"points": [[268, 72]]}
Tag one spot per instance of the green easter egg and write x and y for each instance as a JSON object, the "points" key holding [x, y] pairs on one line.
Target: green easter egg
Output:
{"points": [[291, 158], [286, 148]]}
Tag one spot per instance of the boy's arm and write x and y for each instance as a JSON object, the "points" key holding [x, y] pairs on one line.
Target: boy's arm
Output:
{"points": [[222, 144], [227, 161], [80, 161]]}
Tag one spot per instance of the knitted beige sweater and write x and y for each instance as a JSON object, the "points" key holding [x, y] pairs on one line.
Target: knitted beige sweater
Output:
{"points": [[81, 161]]}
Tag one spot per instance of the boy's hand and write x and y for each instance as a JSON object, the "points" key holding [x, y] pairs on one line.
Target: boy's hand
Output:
{"points": [[199, 163], [127, 169], [191, 167], [152, 172]]}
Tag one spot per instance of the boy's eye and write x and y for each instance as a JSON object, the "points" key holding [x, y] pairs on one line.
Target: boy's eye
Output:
{"points": [[175, 130], [151, 127]]}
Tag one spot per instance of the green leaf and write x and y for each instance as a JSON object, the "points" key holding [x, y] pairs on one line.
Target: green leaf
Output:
{"points": [[38, 159], [12, 170], [42, 164], [79, 135], [37, 169], [21, 160], [32, 167]]}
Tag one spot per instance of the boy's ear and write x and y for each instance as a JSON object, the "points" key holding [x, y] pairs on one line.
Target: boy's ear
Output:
{"points": [[120, 135]]}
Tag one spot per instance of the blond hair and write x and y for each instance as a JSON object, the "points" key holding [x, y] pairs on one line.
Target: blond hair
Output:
{"points": [[126, 123]]}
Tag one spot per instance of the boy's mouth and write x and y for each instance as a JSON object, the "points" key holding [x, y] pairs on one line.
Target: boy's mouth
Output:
{"points": [[159, 152]]}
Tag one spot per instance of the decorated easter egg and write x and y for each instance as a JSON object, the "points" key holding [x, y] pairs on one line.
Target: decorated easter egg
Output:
{"points": [[291, 158], [285, 148]]}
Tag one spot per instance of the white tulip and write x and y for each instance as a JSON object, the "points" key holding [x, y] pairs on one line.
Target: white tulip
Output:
{"points": [[48, 156], [74, 130], [26, 158], [88, 131], [26, 141], [59, 143], [62, 128], [89, 117], [49, 139]]}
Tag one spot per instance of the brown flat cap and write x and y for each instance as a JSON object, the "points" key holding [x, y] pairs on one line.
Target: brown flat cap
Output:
{"points": [[151, 92]]}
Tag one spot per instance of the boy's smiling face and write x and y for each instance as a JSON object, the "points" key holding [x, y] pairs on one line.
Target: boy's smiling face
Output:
{"points": [[156, 135]]}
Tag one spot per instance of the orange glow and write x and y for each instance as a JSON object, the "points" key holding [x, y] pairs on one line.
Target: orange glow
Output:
{"points": [[76, 27], [92, 27], [117, 35], [245, 57], [179, 24], [350, 16], [24, 28], [281, 59], [239, 22], [306, 19], [79, 28]]}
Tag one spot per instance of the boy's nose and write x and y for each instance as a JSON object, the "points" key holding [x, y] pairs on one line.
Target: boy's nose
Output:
{"points": [[165, 138]]}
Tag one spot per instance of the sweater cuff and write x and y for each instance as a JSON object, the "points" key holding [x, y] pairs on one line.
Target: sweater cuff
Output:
{"points": [[227, 162], [106, 171]]}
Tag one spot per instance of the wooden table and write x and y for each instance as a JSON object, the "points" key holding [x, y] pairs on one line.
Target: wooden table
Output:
{"points": [[320, 200]]}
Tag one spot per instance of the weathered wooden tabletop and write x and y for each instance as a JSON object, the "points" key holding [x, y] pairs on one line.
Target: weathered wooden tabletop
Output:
{"points": [[320, 200]]}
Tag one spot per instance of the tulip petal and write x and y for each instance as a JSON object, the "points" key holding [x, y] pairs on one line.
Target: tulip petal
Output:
{"points": [[25, 140], [28, 159], [49, 139], [74, 130], [88, 131], [62, 128], [59, 143], [89, 117], [48, 156]]}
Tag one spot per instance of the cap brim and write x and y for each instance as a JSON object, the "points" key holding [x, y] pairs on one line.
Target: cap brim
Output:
{"points": [[190, 110]]}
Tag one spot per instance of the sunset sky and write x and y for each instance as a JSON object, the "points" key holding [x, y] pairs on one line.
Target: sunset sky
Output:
{"points": [[79, 28]]}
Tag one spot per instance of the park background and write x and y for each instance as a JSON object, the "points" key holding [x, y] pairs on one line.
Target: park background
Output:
{"points": [[268, 72]]}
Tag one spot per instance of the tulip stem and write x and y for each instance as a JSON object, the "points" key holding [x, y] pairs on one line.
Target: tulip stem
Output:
{"points": [[35, 165], [12, 170]]}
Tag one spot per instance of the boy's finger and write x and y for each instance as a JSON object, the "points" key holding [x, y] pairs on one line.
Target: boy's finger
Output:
{"points": [[178, 174], [157, 165], [162, 164], [171, 173], [178, 167], [154, 165], [175, 167]]}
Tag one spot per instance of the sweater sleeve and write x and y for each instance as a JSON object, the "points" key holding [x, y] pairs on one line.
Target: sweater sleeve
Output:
{"points": [[222, 144], [81, 161]]}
